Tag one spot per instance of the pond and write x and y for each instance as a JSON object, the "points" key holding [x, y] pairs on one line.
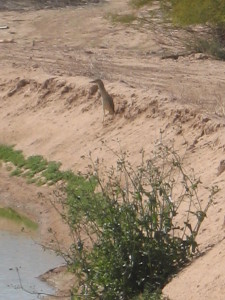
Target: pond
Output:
{"points": [[22, 253]]}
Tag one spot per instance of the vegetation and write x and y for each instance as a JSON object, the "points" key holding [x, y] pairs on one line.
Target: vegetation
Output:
{"points": [[140, 3], [208, 13], [123, 18], [11, 214], [8, 154], [38, 170], [35, 168], [213, 47], [205, 12], [132, 228], [189, 12]]}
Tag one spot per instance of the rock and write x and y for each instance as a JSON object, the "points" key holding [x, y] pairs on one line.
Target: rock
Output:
{"points": [[221, 167]]}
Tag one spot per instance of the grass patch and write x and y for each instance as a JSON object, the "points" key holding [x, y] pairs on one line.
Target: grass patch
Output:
{"points": [[38, 170], [123, 19], [52, 172], [16, 172], [11, 214], [36, 164], [8, 154], [140, 3], [35, 168]]}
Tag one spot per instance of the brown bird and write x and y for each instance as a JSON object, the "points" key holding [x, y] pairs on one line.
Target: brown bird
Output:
{"points": [[107, 100]]}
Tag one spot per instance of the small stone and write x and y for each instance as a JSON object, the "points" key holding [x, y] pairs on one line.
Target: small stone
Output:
{"points": [[221, 167]]}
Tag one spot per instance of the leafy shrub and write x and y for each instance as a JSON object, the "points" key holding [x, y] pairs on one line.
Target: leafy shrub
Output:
{"points": [[187, 12], [129, 236], [212, 47], [191, 12]]}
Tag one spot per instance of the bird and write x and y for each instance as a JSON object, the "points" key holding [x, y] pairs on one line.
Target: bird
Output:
{"points": [[107, 100]]}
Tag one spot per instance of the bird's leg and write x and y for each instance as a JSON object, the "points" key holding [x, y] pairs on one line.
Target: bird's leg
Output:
{"points": [[103, 115]]}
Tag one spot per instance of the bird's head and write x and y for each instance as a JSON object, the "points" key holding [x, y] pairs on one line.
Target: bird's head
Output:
{"points": [[98, 82]]}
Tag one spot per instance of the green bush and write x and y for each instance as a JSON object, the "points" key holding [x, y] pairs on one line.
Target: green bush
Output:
{"points": [[205, 12], [126, 227], [212, 47], [187, 12]]}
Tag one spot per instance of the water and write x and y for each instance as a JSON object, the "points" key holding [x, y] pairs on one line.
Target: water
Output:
{"points": [[17, 251]]}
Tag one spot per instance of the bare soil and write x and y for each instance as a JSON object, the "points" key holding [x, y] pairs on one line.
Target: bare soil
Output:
{"points": [[48, 58], [27, 5]]}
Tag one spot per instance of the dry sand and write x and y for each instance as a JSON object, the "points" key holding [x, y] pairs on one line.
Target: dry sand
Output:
{"points": [[48, 58]]}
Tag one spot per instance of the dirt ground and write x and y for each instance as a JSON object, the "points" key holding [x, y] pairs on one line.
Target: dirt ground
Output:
{"points": [[48, 58]]}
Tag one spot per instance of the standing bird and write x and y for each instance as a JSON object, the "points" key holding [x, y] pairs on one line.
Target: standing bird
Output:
{"points": [[107, 100]]}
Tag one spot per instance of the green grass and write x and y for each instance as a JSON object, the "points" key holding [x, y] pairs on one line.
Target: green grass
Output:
{"points": [[36, 164], [16, 172], [8, 154], [35, 168], [11, 214], [52, 172], [38, 170]]}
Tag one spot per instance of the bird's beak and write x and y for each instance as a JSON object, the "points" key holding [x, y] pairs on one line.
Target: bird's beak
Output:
{"points": [[93, 81]]}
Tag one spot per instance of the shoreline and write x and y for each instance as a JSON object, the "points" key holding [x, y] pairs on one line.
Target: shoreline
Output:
{"points": [[27, 199]]}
